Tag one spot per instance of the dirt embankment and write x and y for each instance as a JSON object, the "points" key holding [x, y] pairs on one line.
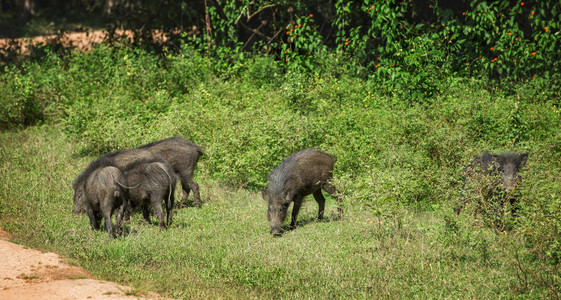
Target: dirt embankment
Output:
{"points": [[81, 41], [30, 274]]}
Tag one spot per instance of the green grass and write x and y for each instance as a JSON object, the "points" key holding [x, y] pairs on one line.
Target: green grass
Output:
{"points": [[399, 171], [224, 250]]}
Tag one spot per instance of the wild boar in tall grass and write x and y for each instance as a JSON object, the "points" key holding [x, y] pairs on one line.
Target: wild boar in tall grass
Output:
{"points": [[491, 179]]}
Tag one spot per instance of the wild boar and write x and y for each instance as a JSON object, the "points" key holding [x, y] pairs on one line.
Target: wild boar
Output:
{"points": [[303, 173], [182, 156], [179, 153], [495, 176], [150, 182], [104, 195]]}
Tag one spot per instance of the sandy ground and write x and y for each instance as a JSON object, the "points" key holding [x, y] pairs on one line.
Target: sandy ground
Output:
{"points": [[30, 274], [82, 41]]}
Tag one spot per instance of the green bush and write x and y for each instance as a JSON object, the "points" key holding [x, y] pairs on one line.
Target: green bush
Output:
{"points": [[18, 105]]}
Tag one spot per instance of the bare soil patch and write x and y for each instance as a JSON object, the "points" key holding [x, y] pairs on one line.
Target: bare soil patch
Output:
{"points": [[31, 274], [81, 41]]}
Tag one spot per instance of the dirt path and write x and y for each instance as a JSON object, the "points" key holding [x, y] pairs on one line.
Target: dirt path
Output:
{"points": [[30, 274]]}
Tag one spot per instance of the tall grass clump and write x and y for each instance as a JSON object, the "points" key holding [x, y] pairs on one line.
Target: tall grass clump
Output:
{"points": [[18, 102]]}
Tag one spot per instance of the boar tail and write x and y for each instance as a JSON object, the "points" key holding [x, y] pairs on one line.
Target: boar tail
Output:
{"points": [[170, 191], [127, 187]]}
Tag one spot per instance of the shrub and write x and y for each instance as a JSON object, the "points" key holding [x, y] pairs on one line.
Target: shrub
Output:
{"points": [[18, 104], [540, 194]]}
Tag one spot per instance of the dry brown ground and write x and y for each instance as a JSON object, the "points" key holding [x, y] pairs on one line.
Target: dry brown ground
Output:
{"points": [[82, 41], [30, 274]]}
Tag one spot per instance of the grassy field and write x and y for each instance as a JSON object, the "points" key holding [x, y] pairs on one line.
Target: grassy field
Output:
{"points": [[224, 250], [399, 170]]}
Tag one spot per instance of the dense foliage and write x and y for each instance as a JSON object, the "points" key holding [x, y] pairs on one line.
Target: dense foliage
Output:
{"points": [[412, 47]]}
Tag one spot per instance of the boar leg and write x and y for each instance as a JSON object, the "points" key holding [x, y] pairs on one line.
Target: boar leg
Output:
{"points": [[196, 193], [108, 223], [186, 191], [321, 202], [145, 210], [188, 184], [330, 189], [157, 206], [120, 216], [295, 209], [169, 208], [94, 223], [106, 206]]}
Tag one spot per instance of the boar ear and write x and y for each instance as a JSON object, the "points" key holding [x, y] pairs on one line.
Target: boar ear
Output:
{"points": [[523, 159], [264, 194]]}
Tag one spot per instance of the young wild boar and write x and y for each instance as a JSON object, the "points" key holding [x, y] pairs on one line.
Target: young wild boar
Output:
{"points": [[150, 182], [103, 196], [120, 159], [494, 175], [305, 172], [182, 156]]}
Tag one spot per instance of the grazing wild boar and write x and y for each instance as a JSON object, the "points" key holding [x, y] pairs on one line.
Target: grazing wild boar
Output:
{"points": [[304, 173], [150, 182], [495, 176], [119, 159], [104, 194], [181, 154]]}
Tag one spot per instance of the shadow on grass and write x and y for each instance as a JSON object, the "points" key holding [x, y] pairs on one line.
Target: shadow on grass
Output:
{"points": [[189, 203], [127, 230], [309, 219]]}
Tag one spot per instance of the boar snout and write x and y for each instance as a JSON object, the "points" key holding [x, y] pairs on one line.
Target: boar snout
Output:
{"points": [[78, 206], [276, 231], [510, 183]]}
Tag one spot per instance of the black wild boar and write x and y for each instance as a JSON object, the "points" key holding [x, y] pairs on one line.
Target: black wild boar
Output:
{"points": [[120, 159], [150, 182], [494, 175], [182, 156], [303, 173], [104, 194]]}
